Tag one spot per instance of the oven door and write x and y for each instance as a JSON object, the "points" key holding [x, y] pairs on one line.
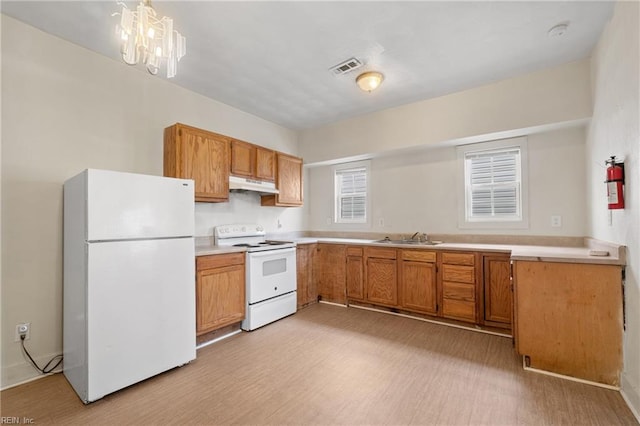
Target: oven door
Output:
{"points": [[270, 273]]}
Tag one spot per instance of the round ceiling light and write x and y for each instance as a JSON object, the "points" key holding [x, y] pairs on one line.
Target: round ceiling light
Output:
{"points": [[369, 81]]}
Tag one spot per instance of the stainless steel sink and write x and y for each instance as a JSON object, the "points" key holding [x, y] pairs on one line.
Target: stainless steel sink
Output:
{"points": [[409, 242]]}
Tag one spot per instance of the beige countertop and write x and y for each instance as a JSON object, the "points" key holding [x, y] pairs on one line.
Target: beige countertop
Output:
{"points": [[518, 252], [206, 249]]}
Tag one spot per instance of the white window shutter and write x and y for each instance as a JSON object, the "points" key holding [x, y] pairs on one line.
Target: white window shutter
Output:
{"points": [[351, 193], [493, 185]]}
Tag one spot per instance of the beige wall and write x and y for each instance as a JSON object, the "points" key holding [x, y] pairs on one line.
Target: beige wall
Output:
{"points": [[65, 109], [416, 191], [615, 130], [504, 109]]}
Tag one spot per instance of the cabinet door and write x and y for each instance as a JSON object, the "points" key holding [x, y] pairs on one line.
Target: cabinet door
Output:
{"points": [[307, 292], [569, 318], [355, 278], [265, 164], [288, 182], [418, 283], [382, 282], [220, 297], [329, 272], [191, 153], [242, 158], [497, 290]]}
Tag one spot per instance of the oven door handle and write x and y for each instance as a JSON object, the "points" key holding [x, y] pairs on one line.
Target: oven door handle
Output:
{"points": [[271, 253]]}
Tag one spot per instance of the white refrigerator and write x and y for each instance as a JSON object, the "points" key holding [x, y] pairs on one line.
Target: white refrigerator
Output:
{"points": [[129, 279]]}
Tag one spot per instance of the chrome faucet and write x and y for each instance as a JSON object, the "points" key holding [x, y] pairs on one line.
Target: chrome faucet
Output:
{"points": [[422, 237]]}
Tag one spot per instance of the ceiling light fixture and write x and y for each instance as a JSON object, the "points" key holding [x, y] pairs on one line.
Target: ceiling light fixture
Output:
{"points": [[150, 40], [369, 81]]}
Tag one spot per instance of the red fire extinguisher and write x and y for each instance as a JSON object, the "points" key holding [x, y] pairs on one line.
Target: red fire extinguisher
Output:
{"points": [[615, 182]]}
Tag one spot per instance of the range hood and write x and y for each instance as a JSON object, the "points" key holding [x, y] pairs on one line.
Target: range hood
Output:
{"points": [[245, 184]]}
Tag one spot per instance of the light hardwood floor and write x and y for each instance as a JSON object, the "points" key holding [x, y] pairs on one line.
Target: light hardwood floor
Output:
{"points": [[331, 365]]}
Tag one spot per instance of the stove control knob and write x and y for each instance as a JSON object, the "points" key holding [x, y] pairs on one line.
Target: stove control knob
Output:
{"points": [[244, 229], [259, 228]]}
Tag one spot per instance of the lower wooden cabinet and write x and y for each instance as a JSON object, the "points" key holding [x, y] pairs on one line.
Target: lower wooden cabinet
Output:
{"points": [[220, 291], [459, 286], [498, 297], [355, 273], [381, 276], [418, 284], [569, 318], [306, 289], [329, 272]]}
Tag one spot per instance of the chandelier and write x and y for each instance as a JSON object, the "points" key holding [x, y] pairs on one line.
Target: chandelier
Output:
{"points": [[150, 40]]}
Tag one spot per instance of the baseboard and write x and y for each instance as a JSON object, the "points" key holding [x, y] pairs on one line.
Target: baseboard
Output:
{"points": [[217, 339], [398, 314], [631, 396], [19, 374], [562, 376], [332, 303]]}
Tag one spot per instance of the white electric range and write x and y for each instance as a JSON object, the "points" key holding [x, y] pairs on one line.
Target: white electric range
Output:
{"points": [[270, 273]]}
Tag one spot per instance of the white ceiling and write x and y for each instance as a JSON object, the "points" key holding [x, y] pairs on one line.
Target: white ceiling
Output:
{"points": [[272, 59]]}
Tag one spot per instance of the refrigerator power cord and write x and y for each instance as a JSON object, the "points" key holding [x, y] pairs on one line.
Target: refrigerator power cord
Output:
{"points": [[47, 368]]}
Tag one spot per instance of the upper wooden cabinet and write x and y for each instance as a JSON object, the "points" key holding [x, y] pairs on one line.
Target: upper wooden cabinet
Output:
{"points": [[288, 182], [265, 164], [252, 161], [243, 158], [191, 153]]}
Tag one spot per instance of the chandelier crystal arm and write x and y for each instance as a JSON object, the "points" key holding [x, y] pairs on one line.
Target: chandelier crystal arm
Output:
{"points": [[150, 40]]}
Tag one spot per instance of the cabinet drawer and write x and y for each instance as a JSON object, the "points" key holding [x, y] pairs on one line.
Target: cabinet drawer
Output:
{"points": [[381, 253], [458, 258], [419, 255], [354, 251], [460, 274], [459, 309], [219, 260], [458, 291]]}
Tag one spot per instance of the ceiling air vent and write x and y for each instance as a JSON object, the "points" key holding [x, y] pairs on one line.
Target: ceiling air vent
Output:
{"points": [[346, 66]]}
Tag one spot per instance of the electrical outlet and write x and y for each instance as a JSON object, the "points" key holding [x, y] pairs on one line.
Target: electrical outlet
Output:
{"points": [[556, 221], [23, 329]]}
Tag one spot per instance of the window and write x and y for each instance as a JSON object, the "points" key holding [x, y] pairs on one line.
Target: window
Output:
{"points": [[494, 184], [351, 193]]}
